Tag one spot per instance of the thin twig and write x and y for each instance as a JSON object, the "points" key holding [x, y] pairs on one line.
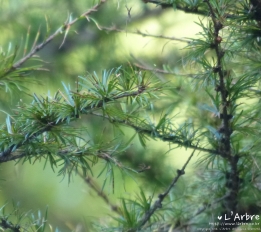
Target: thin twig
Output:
{"points": [[90, 182], [56, 33], [6, 155], [152, 69], [200, 211], [167, 138], [158, 202], [138, 32], [162, 71], [203, 208]]}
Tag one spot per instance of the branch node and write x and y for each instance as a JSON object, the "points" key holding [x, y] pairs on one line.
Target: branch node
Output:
{"points": [[218, 39], [216, 69], [180, 172]]}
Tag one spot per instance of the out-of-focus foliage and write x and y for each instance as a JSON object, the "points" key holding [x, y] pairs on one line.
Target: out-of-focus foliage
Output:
{"points": [[101, 94]]}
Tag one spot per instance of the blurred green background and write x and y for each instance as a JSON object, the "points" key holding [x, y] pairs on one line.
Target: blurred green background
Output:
{"points": [[72, 206]]}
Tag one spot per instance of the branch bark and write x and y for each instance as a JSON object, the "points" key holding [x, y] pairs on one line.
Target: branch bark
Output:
{"points": [[232, 183]]}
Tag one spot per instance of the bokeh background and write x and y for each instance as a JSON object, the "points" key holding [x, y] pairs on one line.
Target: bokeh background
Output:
{"points": [[73, 205]]}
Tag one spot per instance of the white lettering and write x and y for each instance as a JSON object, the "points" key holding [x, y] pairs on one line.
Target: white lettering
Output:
{"points": [[245, 216], [226, 217], [236, 217]]}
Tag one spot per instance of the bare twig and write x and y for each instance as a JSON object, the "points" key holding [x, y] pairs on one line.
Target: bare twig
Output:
{"points": [[162, 71], [152, 69], [56, 33], [189, 223], [138, 32], [142, 65], [129, 11], [203, 208], [158, 203], [110, 158], [90, 182]]}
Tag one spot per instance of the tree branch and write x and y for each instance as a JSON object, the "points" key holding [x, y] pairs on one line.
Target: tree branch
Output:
{"points": [[167, 138], [223, 87], [90, 182], [189, 223], [192, 10], [63, 28], [4, 224], [138, 32], [5, 155], [162, 71], [161, 197], [7, 152]]}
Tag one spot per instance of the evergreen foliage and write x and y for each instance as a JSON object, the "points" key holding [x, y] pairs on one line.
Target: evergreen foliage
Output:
{"points": [[219, 125]]}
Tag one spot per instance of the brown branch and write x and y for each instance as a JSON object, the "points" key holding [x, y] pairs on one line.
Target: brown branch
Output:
{"points": [[194, 10], [90, 182], [162, 71], [171, 139], [226, 130], [5, 224], [152, 69], [109, 158], [7, 152], [161, 197], [232, 182], [189, 222], [4, 159], [56, 33], [189, 9], [256, 9], [6, 155], [138, 32]]}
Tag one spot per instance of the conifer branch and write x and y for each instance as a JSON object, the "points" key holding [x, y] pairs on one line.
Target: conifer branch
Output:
{"points": [[161, 197], [227, 134], [7, 225], [162, 71], [60, 30], [90, 182], [164, 4], [197, 213], [232, 184], [7, 152], [6, 155], [158, 135], [138, 32]]}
